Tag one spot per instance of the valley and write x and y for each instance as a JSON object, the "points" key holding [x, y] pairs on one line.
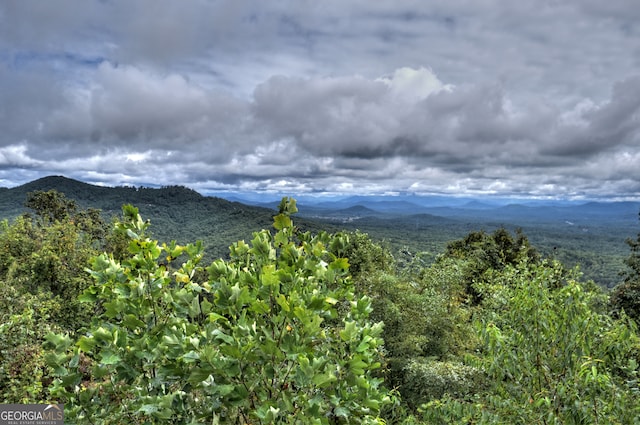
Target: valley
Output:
{"points": [[590, 235]]}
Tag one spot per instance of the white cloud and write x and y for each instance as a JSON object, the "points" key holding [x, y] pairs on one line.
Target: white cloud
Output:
{"points": [[408, 84], [458, 95], [15, 156]]}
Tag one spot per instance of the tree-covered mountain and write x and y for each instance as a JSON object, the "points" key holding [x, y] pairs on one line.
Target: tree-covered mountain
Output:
{"points": [[591, 235], [176, 212]]}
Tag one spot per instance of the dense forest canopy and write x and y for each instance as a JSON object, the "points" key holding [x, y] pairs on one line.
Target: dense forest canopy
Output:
{"points": [[298, 325]]}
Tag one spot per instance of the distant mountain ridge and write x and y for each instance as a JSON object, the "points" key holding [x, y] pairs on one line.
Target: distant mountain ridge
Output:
{"points": [[591, 234], [176, 212], [110, 199], [502, 209], [469, 209]]}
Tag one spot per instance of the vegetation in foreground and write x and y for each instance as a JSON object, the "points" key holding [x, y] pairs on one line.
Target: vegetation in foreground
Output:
{"points": [[301, 327]]}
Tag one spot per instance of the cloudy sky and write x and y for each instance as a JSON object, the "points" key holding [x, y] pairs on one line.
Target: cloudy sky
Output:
{"points": [[517, 98]]}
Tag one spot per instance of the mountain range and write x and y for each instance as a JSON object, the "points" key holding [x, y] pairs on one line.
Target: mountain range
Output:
{"points": [[589, 234], [491, 209]]}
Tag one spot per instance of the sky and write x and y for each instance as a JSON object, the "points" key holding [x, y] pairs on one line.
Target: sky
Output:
{"points": [[527, 98]]}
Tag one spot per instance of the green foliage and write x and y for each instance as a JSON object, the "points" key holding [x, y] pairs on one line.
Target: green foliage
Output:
{"points": [[48, 255], [633, 261], [25, 321], [429, 379], [425, 316], [427, 327], [625, 297], [366, 257], [50, 206], [42, 264], [275, 335], [485, 252], [288, 328], [494, 250], [548, 355]]}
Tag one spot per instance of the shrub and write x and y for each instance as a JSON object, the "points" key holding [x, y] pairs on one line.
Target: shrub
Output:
{"points": [[265, 339]]}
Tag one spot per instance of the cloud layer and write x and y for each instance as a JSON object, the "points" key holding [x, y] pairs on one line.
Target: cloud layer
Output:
{"points": [[461, 97]]}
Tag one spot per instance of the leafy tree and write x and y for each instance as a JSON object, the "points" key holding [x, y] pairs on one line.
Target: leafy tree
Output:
{"points": [[483, 252], [548, 356], [47, 254], [494, 250], [427, 328], [366, 257], [428, 310], [626, 296], [42, 264], [25, 320], [274, 335], [50, 206], [633, 261], [427, 322]]}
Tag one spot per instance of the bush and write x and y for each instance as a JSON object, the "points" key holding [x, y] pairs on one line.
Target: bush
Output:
{"points": [[427, 379], [265, 339], [24, 377], [548, 354]]}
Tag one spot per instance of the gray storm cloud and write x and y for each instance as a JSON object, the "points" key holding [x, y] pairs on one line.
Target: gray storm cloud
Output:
{"points": [[457, 95], [409, 115]]}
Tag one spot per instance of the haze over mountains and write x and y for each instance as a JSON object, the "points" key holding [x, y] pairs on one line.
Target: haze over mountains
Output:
{"points": [[487, 208], [490, 208], [589, 234]]}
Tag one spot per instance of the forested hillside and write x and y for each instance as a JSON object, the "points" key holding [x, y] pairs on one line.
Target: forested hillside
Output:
{"points": [[176, 212], [298, 326], [588, 234], [591, 236]]}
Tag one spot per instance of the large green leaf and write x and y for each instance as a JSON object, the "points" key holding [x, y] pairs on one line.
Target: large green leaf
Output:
{"points": [[281, 221], [109, 358], [349, 332]]}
